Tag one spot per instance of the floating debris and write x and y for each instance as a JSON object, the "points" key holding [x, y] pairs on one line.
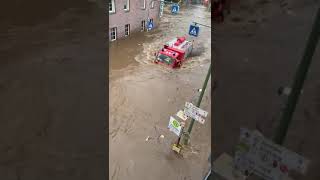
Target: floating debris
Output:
{"points": [[147, 139]]}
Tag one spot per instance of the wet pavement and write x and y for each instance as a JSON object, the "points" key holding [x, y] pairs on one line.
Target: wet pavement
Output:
{"points": [[142, 96]]}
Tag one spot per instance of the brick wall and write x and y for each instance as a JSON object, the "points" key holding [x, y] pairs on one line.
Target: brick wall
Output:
{"points": [[133, 17]]}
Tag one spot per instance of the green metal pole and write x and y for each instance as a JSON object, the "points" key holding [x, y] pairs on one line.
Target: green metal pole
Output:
{"points": [[298, 82], [200, 98]]}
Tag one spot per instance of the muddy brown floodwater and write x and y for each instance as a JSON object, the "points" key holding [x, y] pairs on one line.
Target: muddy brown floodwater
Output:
{"points": [[52, 92], [144, 95]]}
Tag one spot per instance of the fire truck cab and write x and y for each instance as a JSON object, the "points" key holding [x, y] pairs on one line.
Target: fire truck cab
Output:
{"points": [[174, 52]]}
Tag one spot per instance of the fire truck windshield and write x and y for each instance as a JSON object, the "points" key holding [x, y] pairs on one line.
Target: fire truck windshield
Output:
{"points": [[165, 59]]}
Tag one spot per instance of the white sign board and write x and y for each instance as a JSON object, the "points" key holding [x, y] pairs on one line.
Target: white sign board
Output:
{"points": [[174, 126], [196, 110], [181, 115], [193, 115], [258, 155]]}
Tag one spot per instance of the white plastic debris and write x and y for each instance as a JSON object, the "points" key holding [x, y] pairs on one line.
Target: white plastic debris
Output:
{"points": [[161, 136], [147, 139]]}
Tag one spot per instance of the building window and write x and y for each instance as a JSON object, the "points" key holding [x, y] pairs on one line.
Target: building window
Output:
{"points": [[126, 6], [112, 8], [143, 6], [127, 29], [143, 25], [152, 4], [113, 33]]}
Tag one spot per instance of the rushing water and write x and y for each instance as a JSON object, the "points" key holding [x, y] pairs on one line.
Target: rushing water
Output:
{"points": [[144, 95]]}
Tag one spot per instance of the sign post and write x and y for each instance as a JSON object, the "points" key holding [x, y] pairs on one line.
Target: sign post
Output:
{"points": [[201, 96], [176, 127]]}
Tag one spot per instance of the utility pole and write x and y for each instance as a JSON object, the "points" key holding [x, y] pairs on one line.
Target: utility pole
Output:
{"points": [[300, 77], [200, 97]]}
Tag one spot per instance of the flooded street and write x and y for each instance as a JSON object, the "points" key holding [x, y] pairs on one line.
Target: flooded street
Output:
{"points": [[143, 95]]}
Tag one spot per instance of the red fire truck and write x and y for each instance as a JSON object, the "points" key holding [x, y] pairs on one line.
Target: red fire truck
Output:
{"points": [[174, 52]]}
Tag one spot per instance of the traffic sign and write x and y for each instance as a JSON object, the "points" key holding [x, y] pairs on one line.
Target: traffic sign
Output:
{"points": [[196, 110], [194, 30], [174, 126], [150, 25], [175, 8], [258, 155]]}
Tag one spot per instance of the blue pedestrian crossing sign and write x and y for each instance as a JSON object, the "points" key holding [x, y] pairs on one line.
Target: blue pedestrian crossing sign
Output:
{"points": [[150, 25], [194, 30], [175, 8]]}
